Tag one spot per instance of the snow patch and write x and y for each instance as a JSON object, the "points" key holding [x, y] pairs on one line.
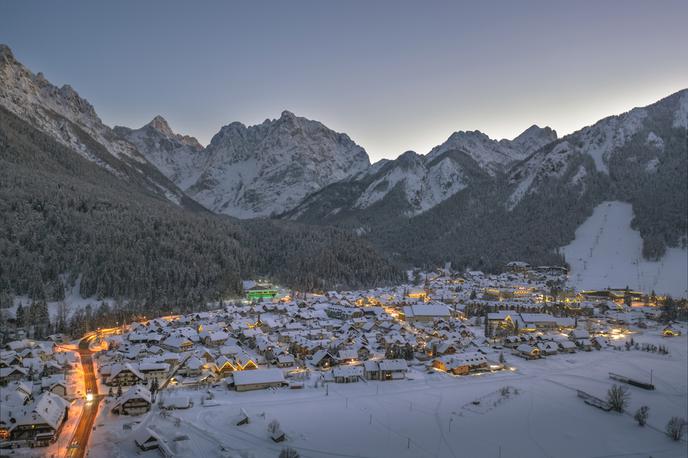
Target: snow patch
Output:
{"points": [[607, 252], [655, 140]]}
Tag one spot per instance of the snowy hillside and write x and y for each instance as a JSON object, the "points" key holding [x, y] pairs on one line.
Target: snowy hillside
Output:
{"points": [[71, 120], [607, 253], [424, 185]]}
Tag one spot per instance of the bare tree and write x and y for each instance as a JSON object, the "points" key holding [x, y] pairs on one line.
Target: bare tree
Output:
{"points": [[674, 428], [641, 415], [618, 397], [289, 453]]}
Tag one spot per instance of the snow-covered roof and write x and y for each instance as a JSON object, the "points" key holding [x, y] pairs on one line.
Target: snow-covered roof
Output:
{"points": [[258, 376], [393, 365]]}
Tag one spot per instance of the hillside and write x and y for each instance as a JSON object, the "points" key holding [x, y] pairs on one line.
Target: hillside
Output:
{"points": [[451, 205], [63, 217]]}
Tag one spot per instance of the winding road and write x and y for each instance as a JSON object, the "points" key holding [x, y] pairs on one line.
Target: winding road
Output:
{"points": [[79, 442]]}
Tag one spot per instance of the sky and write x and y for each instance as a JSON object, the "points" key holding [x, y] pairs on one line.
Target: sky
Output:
{"points": [[393, 75]]}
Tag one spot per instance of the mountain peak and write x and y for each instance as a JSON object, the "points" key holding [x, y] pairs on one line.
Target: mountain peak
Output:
{"points": [[286, 114], [160, 124], [537, 131], [6, 54]]}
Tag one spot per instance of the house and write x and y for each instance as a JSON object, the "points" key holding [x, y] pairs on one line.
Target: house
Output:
{"points": [[177, 344], [55, 384], [371, 370], [347, 356], [461, 363], [146, 438], [135, 401], [425, 313], [12, 374], [393, 369], [347, 374], [258, 379], [43, 423], [215, 338], [579, 334], [548, 348], [285, 360], [323, 359], [527, 351], [191, 367], [124, 375], [584, 344], [566, 346], [154, 370]]}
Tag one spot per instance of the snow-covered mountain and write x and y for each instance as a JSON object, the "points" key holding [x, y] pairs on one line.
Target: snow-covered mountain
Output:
{"points": [[253, 171], [496, 155], [613, 145], [425, 181], [61, 113], [179, 157], [269, 168], [479, 202]]}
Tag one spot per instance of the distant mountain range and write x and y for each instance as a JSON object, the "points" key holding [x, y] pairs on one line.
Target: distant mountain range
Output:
{"points": [[472, 200]]}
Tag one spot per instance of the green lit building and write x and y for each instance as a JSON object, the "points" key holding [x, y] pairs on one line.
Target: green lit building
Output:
{"points": [[259, 292]]}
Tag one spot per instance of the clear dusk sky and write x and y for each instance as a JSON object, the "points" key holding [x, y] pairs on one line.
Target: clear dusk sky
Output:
{"points": [[394, 75]]}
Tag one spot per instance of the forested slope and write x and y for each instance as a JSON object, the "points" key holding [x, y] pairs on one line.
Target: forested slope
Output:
{"points": [[62, 216]]}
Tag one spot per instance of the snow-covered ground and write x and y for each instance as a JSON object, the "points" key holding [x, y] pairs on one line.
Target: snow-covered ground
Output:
{"points": [[72, 300], [433, 415], [608, 253]]}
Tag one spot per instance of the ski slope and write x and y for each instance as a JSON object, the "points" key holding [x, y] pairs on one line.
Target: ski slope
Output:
{"points": [[608, 253]]}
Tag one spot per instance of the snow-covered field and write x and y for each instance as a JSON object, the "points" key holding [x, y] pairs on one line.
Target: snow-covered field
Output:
{"points": [[608, 253], [433, 415]]}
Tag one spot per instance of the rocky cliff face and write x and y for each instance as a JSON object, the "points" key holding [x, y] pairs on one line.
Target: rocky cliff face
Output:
{"points": [[71, 120], [179, 157], [252, 171]]}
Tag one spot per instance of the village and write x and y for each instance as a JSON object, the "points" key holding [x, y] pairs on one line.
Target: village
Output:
{"points": [[430, 368]]}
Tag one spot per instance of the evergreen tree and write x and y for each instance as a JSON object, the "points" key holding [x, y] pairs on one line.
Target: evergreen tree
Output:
{"points": [[20, 316]]}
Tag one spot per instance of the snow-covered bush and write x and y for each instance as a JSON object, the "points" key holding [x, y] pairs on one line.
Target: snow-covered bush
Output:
{"points": [[674, 428], [641, 415], [618, 397]]}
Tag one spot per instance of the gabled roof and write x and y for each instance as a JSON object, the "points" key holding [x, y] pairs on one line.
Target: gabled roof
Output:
{"points": [[117, 368], [135, 392], [49, 409], [393, 365]]}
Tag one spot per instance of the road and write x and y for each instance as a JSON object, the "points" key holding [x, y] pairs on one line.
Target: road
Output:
{"points": [[79, 442]]}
